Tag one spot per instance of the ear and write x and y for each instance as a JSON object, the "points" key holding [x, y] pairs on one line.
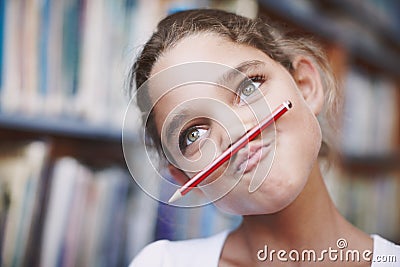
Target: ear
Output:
{"points": [[178, 175], [308, 80]]}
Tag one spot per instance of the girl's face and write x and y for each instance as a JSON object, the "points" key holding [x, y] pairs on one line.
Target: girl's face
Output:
{"points": [[292, 148]]}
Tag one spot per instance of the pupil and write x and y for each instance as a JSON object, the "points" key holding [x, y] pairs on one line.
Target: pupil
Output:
{"points": [[248, 90], [193, 135]]}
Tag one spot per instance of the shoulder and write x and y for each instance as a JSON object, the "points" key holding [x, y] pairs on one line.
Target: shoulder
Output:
{"points": [[385, 252], [193, 252]]}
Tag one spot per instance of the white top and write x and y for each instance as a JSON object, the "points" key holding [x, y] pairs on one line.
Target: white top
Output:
{"points": [[206, 252], [385, 253], [199, 252]]}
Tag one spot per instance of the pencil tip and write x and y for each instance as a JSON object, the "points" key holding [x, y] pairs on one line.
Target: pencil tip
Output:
{"points": [[177, 195]]}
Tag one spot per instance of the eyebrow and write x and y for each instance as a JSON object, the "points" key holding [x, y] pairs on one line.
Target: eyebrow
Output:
{"points": [[176, 121], [239, 70]]}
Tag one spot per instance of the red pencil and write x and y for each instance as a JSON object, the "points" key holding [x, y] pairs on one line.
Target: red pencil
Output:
{"points": [[239, 144]]}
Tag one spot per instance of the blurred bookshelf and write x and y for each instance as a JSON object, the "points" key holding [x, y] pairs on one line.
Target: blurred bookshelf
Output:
{"points": [[346, 23], [69, 137], [57, 127], [362, 42], [66, 196], [372, 164], [62, 102]]}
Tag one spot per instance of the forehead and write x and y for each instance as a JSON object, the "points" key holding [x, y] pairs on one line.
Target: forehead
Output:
{"points": [[179, 64], [207, 47]]}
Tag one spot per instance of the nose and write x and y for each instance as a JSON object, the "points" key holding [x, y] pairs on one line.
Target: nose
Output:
{"points": [[236, 130]]}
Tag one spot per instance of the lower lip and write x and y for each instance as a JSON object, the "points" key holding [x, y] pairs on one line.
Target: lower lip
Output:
{"points": [[249, 164]]}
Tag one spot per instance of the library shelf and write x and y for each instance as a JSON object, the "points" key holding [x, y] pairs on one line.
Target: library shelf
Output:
{"points": [[59, 127], [372, 164], [68, 137], [367, 14], [368, 49]]}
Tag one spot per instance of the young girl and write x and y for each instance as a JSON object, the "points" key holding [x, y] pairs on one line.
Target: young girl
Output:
{"points": [[289, 218]]}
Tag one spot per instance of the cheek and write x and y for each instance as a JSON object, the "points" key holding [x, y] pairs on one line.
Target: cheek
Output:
{"points": [[295, 157], [296, 154], [308, 140], [266, 200]]}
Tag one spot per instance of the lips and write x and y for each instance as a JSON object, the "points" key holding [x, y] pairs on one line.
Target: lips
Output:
{"points": [[249, 156]]}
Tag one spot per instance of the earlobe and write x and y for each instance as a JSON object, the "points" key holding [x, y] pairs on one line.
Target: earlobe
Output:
{"points": [[177, 174], [308, 80]]}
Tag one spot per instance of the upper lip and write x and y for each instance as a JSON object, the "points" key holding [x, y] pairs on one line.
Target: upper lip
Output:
{"points": [[248, 151]]}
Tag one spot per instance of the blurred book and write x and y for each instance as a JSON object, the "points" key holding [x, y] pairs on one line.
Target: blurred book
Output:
{"points": [[69, 58], [370, 119], [178, 223], [90, 214], [20, 174], [88, 217], [368, 201]]}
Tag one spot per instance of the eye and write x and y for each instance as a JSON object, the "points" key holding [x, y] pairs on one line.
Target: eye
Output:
{"points": [[249, 89], [190, 136], [249, 86]]}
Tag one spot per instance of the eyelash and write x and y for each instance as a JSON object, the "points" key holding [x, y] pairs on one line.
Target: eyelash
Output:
{"points": [[258, 78]]}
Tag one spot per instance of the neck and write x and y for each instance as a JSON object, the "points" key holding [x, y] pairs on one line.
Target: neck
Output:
{"points": [[311, 221]]}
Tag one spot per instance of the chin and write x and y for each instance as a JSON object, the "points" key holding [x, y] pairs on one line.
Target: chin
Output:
{"points": [[280, 188], [271, 197]]}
